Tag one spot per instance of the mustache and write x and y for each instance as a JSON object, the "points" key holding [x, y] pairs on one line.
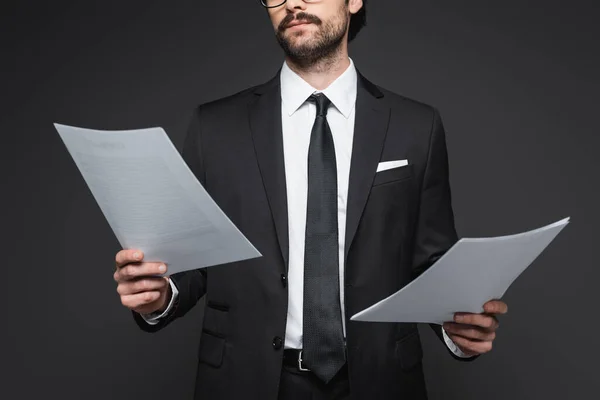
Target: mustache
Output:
{"points": [[301, 16]]}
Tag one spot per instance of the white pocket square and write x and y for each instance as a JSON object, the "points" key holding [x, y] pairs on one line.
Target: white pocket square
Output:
{"points": [[391, 164]]}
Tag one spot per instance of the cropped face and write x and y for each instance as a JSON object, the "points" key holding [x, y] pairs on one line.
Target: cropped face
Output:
{"points": [[309, 30]]}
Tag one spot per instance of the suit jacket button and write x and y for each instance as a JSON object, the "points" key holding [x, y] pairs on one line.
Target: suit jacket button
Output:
{"points": [[284, 280], [277, 343]]}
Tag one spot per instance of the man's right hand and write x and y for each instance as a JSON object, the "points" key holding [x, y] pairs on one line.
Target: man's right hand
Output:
{"points": [[139, 287]]}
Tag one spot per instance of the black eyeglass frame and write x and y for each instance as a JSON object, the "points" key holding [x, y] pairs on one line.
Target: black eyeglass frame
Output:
{"points": [[263, 3]]}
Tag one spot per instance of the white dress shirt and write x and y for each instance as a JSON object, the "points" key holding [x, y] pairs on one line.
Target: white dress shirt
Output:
{"points": [[298, 116]]}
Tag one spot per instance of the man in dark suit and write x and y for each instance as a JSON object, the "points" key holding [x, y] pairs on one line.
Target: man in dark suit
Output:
{"points": [[343, 187]]}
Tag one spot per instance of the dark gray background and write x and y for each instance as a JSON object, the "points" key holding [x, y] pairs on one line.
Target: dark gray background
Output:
{"points": [[517, 86]]}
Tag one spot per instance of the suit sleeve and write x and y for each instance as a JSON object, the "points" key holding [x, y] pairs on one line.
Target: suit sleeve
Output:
{"points": [[435, 230], [191, 285]]}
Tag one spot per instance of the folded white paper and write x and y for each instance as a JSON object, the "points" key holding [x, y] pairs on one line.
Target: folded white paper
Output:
{"points": [[152, 200], [472, 272]]}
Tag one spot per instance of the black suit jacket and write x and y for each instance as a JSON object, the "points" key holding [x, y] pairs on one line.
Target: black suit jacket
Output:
{"points": [[399, 222]]}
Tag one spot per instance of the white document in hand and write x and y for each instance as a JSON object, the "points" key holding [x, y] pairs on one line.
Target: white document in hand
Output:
{"points": [[152, 200], [471, 273]]}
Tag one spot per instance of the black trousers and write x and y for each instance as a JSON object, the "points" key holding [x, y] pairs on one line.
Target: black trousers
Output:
{"points": [[301, 385]]}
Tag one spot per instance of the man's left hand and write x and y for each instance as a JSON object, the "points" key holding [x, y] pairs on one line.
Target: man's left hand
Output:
{"points": [[474, 333]]}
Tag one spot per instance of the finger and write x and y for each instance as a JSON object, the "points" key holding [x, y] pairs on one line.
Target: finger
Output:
{"points": [[469, 331], [127, 256], [471, 347], [135, 301], [488, 322], [146, 284], [495, 307], [134, 271]]}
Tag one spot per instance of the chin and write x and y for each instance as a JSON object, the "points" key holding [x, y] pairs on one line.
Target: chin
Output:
{"points": [[298, 34], [300, 39], [302, 48]]}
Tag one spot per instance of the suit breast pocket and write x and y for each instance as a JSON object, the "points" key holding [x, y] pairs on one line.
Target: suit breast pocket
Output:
{"points": [[393, 175]]}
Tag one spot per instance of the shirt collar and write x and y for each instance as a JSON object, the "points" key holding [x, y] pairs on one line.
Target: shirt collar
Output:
{"points": [[342, 92]]}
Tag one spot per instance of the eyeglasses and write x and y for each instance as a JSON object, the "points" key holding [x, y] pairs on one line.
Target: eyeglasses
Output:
{"points": [[277, 3]]}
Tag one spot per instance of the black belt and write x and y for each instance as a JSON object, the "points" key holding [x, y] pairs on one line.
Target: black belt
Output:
{"points": [[293, 358]]}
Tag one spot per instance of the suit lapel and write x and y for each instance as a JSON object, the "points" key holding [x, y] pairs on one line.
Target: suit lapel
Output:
{"points": [[265, 124], [370, 129]]}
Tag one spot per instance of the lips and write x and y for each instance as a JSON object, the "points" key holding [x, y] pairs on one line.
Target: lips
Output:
{"points": [[296, 23]]}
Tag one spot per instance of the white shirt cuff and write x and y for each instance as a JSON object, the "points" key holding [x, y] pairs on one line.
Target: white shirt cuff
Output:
{"points": [[154, 318], [453, 347]]}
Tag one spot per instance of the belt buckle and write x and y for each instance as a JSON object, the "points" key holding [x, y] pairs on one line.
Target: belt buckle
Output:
{"points": [[300, 367]]}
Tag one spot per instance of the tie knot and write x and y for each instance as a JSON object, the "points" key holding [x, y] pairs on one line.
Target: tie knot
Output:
{"points": [[322, 102]]}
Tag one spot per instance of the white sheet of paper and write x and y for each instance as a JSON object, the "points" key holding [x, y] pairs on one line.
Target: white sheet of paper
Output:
{"points": [[472, 272], [152, 200]]}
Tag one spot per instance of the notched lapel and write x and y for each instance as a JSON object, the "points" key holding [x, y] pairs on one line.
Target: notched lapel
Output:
{"points": [[265, 124], [370, 129]]}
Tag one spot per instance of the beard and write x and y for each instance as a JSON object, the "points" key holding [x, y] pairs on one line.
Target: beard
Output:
{"points": [[325, 43]]}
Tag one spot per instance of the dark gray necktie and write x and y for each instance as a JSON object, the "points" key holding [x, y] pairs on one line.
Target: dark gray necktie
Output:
{"points": [[323, 350]]}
